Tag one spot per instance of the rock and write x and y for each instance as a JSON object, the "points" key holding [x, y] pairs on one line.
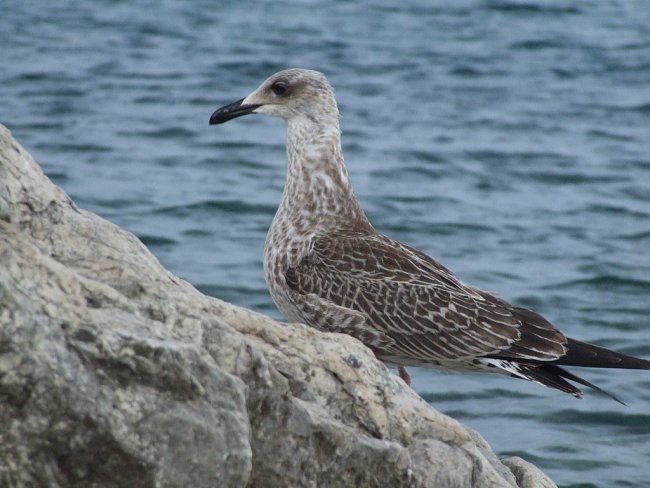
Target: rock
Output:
{"points": [[527, 475], [114, 372]]}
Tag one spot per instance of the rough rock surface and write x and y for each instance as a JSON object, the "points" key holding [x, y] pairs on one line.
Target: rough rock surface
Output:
{"points": [[114, 372], [527, 475]]}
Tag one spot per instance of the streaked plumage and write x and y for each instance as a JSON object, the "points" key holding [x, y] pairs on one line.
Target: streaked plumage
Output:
{"points": [[328, 267]]}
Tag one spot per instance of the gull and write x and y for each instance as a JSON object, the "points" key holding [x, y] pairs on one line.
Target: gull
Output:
{"points": [[326, 266]]}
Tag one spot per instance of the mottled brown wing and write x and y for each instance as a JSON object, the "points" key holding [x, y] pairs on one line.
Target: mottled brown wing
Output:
{"points": [[421, 305]]}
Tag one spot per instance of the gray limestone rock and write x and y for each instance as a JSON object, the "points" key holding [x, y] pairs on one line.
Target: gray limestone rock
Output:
{"points": [[527, 475], [115, 373]]}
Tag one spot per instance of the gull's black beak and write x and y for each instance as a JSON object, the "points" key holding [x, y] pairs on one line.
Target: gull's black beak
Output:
{"points": [[231, 111]]}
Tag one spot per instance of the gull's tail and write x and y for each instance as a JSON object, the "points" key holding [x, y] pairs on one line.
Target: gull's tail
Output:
{"points": [[555, 377], [590, 356], [578, 354]]}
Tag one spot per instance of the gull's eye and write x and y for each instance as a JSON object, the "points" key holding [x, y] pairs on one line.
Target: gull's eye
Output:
{"points": [[279, 87]]}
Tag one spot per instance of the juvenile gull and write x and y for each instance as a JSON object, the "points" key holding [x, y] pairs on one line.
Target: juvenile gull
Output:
{"points": [[326, 266]]}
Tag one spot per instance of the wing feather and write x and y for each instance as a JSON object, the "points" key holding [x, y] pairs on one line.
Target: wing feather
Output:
{"points": [[426, 311]]}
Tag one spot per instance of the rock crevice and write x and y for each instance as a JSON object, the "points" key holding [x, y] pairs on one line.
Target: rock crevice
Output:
{"points": [[114, 372]]}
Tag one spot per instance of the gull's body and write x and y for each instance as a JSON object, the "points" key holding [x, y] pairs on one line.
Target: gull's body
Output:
{"points": [[326, 266]]}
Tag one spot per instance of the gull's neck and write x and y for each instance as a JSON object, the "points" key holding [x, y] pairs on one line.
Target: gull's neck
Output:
{"points": [[318, 196]]}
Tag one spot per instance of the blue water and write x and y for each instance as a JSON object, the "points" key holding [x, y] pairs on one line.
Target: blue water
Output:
{"points": [[510, 140]]}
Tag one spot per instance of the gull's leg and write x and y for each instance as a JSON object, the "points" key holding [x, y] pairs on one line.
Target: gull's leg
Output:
{"points": [[404, 375]]}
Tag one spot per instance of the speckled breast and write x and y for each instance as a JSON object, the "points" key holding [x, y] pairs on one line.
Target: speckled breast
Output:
{"points": [[282, 250]]}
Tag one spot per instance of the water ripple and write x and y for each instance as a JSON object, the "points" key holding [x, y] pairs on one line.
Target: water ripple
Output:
{"points": [[239, 207], [625, 422]]}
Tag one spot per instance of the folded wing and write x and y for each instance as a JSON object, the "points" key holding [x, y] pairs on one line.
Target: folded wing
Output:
{"points": [[429, 314]]}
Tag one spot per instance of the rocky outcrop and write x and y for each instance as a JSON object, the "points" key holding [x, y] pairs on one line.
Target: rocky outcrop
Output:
{"points": [[114, 372]]}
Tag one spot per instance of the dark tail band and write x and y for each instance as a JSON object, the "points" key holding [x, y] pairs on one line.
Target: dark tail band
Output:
{"points": [[591, 356]]}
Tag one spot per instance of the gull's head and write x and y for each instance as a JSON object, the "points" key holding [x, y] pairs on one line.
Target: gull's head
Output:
{"points": [[289, 94]]}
